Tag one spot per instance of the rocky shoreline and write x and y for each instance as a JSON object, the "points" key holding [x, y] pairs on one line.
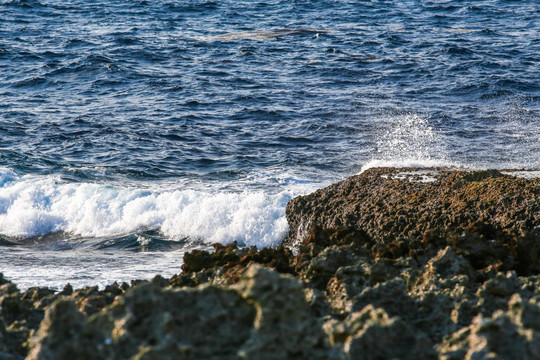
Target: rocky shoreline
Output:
{"points": [[389, 264]]}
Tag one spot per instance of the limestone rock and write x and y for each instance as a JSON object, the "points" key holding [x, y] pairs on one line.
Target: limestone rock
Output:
{"points": [[385, 266], [285, 327], [489, 218], [63, 334], [511, 334], [372, 334]]}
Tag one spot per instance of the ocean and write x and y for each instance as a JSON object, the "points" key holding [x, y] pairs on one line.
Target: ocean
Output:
{"points": [[134, 131]]}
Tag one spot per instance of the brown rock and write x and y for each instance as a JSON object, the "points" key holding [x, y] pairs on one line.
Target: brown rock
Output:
{"points": [[489, 218], [64, 334]]}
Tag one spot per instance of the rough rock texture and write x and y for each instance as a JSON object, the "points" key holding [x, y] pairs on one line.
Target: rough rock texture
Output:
{"points": [[283, 320], [264, 316], [401, 214], [510, 334], [372, 334], [381, 266]]}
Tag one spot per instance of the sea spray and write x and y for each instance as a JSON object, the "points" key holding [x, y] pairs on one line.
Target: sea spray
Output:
{"points": [[408, 140]]}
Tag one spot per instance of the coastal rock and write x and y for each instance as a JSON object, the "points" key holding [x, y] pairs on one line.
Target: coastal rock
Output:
{"points": [[372, 334], [391, 296], [381, 337], [226, 264], [323, 266], [285, 326], [447, 263], [511, 334], [383, 266], [64, 334], [489, 218], [265, 316], [149, 322], [347, 282], [181, 323]]}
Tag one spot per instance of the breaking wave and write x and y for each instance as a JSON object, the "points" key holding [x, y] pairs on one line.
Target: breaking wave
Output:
{"points": [[32, 206]]}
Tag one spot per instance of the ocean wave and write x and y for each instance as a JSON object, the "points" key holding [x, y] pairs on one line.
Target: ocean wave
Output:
{"points": [[32, 206]]}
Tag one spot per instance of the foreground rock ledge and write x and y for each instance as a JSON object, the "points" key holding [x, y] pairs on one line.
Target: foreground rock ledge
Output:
{"points": [[389, 264]]}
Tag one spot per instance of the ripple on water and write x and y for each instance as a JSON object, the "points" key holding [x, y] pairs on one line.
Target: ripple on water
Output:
{"points": [[246, 100]]}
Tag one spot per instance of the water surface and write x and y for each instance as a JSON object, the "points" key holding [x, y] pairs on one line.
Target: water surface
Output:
{"points": [[133, 131]]}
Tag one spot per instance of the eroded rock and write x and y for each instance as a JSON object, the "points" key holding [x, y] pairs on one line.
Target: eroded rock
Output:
{"points": [[489, 218], [511, 334], [285, 326], [385, 265]]}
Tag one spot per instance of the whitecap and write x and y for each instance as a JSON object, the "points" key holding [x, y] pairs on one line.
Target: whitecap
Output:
{"points": [[31, 206]]}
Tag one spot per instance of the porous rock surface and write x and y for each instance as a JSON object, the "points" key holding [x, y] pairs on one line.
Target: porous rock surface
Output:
{"points": [[390, 264]]}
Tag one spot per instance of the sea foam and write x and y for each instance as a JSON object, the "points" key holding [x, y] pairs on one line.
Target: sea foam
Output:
{"points": [[36, 205]]}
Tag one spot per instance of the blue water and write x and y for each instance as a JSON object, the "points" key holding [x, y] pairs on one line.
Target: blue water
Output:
{"points": [[132, 131]]}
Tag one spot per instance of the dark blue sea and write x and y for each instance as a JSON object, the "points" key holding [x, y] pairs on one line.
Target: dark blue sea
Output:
{"points": [[133, 131]]}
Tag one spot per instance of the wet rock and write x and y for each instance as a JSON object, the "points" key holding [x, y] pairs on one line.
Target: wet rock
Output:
{"points": [[197, 260], [227, 263], [193, 279], [279, 259], [223, 256]]}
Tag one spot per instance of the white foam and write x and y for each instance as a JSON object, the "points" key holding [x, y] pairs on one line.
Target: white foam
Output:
{"points": [[37, 205]]}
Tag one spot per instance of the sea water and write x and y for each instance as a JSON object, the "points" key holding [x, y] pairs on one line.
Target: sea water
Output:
{"points": [[134, 131]]}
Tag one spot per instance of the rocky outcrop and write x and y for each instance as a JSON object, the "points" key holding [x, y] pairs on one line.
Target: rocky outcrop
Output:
{"points": [[490, 218], [513, 333], [264, 316], [390, 264]]}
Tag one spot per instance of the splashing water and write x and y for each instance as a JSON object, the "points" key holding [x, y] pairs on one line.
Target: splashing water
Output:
{"points": [[408, 141]]}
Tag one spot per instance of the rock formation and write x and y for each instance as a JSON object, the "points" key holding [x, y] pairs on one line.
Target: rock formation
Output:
{"points": [[389, 264]]}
